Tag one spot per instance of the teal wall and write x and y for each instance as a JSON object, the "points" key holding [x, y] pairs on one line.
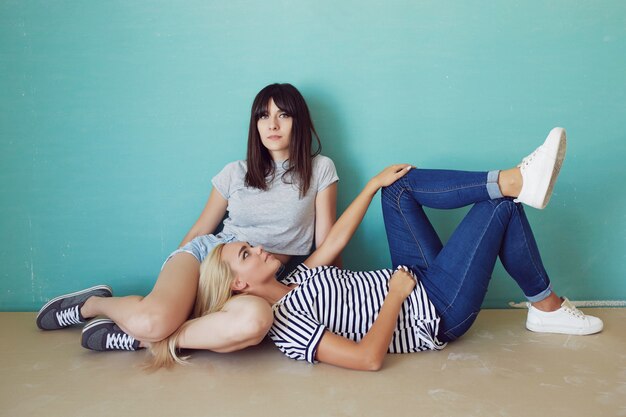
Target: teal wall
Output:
{"points": [[115, 115]]}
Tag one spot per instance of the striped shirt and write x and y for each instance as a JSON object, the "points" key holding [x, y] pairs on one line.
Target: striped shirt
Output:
{"points": [[347, 304]]}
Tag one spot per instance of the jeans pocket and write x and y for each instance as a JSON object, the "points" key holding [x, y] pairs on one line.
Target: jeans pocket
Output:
{"points": [[461, 328]]}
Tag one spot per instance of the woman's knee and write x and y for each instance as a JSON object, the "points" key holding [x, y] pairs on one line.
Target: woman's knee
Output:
{"points": [[386, 194], [169, 304], [506, 202], [391, 193], [502, 207]]}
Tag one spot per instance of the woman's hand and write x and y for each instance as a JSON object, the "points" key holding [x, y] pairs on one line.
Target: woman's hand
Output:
{"points": [[401, 283], [369, 354], [390, 175]]}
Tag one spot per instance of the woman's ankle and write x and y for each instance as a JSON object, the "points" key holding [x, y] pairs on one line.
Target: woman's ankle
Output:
{"points": [[510, 182], [87, 309], [551, 303]]}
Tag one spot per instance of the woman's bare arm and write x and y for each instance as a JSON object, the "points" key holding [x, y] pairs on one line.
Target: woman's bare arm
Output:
{"points": [[211, 216], [369, 353], [243, 321], [326, 216], [342, 231]]}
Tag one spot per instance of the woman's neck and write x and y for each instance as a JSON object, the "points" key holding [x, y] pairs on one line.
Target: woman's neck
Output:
{"points": [[279, 156], [271, 291]]}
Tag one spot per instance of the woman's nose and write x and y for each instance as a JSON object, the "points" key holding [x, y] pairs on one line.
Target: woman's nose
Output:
{"points": [[259, 249]]}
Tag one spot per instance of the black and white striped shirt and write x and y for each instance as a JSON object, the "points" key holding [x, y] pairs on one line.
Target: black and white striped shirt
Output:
{"points": [[347, 304]]}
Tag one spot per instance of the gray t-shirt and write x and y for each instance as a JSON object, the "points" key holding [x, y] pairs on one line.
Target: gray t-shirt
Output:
{"points": [[278, 218]]}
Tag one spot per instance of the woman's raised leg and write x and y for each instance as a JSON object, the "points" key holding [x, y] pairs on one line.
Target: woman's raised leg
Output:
{"points": [[137, 321], [160, 313], [412, 238], [457, 280]]}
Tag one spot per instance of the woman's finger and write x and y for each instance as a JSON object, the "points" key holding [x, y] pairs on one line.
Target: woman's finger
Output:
{"points": [[402, 172]]}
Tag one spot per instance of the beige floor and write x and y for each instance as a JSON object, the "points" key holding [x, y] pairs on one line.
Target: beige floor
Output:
{"points": [[498, 369]]}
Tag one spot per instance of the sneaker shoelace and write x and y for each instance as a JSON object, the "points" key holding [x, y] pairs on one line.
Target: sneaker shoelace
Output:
{"points": [[68, 316], [119, 341], [574, 311], [527, 160]]}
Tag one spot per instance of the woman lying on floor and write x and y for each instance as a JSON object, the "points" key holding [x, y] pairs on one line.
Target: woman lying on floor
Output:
{"points": [[352, 319]]}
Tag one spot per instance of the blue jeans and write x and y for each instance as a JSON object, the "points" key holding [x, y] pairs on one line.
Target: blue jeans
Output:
{"points": [[456, 275]]}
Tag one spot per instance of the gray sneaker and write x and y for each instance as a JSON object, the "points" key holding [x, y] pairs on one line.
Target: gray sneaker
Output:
{"points": [[64, 310], [104, 335]]}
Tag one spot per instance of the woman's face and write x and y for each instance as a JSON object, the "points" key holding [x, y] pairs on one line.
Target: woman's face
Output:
{"points": [[250, 264], [275, 131]]}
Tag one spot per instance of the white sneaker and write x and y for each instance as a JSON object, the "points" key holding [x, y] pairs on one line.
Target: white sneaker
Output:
{"points": [[566, 320], [540, 169]]}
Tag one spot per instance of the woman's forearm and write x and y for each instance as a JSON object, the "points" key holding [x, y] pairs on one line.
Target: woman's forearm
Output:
{"points": [[376, 342], [369, 353], [343, 230], [243, 321]]}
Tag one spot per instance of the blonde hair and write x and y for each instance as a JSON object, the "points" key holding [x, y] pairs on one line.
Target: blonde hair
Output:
{"points": [[214, 291]]}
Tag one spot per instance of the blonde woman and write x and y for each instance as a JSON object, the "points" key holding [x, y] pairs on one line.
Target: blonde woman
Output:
{"points": [[352, 319]]}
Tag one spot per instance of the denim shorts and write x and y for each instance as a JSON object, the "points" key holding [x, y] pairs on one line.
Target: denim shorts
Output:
{"points": [[201, 246]]}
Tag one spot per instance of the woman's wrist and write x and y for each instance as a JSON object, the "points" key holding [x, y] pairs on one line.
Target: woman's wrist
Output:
{"points": [[372, 187], [395, 297]]}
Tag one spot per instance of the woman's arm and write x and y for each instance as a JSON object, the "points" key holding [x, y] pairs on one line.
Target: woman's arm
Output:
{"points": [[211, 216], [325, 216], [243, 321], [346, 225], [369, 353]]}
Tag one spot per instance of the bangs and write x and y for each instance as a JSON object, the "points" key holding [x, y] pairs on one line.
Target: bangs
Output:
{"points": [[283, 98]]}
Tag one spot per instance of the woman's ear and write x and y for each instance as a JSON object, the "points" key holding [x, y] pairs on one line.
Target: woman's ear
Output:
{"points": [[238, 285]]}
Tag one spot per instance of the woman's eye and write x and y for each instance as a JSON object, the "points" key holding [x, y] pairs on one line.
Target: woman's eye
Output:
{"points": [[263, 116], [245, 254], [284, 115]]}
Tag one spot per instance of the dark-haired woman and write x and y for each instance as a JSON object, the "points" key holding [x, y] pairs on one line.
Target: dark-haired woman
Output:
{"points": [[283, 196]]}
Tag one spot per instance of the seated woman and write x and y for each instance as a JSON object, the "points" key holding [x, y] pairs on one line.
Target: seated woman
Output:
{"points": [[283, 195], [352, 319]]}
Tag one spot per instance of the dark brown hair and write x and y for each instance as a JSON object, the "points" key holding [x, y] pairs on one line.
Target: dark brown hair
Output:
{"points": [[261, 168]]}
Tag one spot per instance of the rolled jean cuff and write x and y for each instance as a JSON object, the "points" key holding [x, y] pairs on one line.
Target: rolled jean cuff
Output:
{"points": [[492, 185], [541, 296]]}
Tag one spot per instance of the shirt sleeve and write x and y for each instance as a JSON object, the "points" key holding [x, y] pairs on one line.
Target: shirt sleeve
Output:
{"points": [[326, 171], [294, 276], [296, 334], [223, 181]]}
